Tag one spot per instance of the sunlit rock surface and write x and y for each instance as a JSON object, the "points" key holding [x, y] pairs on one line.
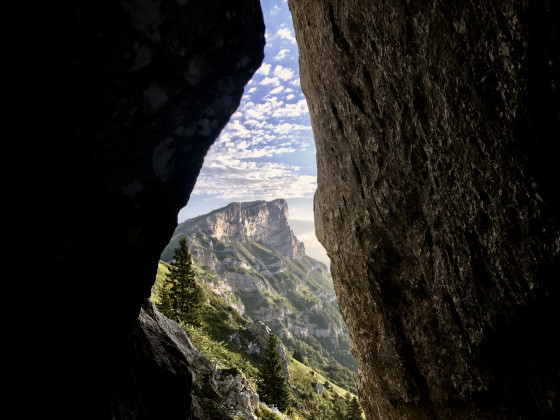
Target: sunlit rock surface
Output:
{"points": [[437, 200], [250, 256], [262, 221]]}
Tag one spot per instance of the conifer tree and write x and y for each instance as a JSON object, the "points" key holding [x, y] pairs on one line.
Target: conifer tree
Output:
{"points": [[272, 386], [339, 407], [353, 411], [185, 295]]}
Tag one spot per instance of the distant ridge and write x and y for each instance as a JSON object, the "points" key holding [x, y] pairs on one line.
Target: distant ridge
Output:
{"points": [[263, 221]]}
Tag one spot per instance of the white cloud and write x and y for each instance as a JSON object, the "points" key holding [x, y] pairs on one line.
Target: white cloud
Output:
{"points": [[283, 73], [253, 89], [238, 129], [276, 90], [264, 69], [292, 110], [289, 97], [285, 33], [283, 53], [254, 123], [275, 10], [234, 179], [286, 128], [270, 81], [257, 111]]}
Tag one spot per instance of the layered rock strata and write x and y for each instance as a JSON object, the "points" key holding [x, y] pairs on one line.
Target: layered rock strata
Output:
{"points": [[248, 254], [261, 221], [435, 126]]}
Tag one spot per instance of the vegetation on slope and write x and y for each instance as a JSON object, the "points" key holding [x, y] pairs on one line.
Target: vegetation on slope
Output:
{"points": [[222, 338], [293, 295]]}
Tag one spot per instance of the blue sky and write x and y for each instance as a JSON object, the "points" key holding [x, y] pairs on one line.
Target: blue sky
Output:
{"points": [[266, 151]]}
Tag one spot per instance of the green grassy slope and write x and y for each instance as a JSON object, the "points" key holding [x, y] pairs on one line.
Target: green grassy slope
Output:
{"points": [[299, 291], [214, 339]]}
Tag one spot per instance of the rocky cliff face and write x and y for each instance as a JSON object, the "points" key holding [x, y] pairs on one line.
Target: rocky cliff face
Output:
{"points": [[261, 221], [435, 127], [251, 258], [262, 335]]}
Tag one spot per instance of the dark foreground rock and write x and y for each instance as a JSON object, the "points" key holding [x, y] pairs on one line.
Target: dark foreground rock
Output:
{"points": [[436, 125], [118, 113], [166, 348]]}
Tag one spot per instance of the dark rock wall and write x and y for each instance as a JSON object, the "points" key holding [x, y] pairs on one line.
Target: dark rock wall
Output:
{"points": [[114, 131], [436, 125]]}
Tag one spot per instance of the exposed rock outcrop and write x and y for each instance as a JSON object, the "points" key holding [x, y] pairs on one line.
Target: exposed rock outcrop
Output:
{"points": [[262, 334], [226, 393], [261, 221], [435, 126], [319, 388]]}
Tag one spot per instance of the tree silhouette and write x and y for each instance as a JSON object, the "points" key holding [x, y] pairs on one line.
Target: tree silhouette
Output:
{"points": [[272, 386]]}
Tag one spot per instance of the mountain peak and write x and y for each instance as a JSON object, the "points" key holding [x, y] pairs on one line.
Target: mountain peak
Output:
{"points": [[262, 221]]}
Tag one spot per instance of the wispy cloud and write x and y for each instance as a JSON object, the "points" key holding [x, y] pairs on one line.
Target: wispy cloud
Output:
{"points": [[275, 10], [232, 179], [282, 54], [285, 33]]}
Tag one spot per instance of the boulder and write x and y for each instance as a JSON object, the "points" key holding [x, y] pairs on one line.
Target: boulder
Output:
{"points": [[190, 374]]}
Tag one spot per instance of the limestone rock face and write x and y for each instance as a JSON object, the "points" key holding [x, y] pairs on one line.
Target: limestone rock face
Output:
{"points": [[122, 119], [262, 221], [248, 255], [435, 126]]}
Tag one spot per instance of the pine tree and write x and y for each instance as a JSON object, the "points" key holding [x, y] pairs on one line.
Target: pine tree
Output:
{"points": [[185, 294], [272, 386], [339, 407], [353, 411]]}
